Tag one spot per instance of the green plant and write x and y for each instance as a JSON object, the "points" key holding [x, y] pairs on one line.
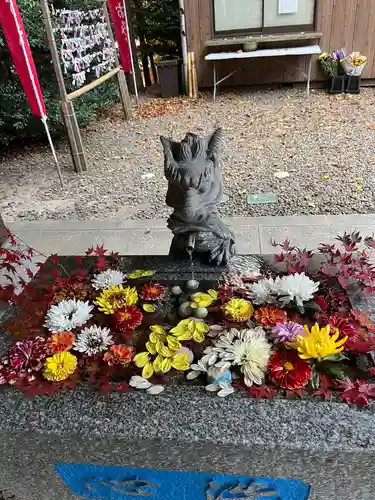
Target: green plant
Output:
{"points": [[16, 120]]}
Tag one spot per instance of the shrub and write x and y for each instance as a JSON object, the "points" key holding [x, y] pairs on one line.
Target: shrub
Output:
{"points": [[16, 120]]}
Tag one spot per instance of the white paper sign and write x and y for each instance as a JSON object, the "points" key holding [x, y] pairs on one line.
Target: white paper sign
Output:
{"points": [[288, 6]]}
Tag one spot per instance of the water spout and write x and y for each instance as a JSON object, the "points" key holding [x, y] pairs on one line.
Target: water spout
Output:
{"points": [[190, 245]]}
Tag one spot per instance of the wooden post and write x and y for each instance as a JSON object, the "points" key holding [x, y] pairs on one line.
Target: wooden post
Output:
{"points": [[123, 86], [71, 136], [77, 135], [75, 141], [3, 232]]}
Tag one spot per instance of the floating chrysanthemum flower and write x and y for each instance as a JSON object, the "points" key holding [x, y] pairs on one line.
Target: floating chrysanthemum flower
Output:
{"points": [[238, 310], [283, 332], [161, 364], [60, 366], [107, 279], [62, 341], [26, 356], [119, 355], [264, 291], [297, 288], [152, 291], [318, 343], [67, 315], [93, 340], [161, 342], [204, 299], [345, 326], [247, 349], [288, 371], [127, 318], [190, 329], [115, 298], [270, 316]]}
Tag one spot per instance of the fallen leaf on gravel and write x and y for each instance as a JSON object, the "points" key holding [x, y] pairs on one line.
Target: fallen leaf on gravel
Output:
{"points": [[359, 188], [281, 175], [325, 177], [371, 126]]}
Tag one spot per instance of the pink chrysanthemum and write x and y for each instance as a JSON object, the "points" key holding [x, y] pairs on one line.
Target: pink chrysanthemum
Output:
{"points": [[26, 357], [287, 332]]}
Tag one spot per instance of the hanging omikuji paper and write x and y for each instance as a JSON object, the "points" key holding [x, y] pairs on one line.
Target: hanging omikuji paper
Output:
{"points": [[120, 23]]}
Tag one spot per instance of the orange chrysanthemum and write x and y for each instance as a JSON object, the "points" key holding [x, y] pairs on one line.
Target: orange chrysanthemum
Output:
{"points": [[62, 341], [119, 355], [270, 315]]}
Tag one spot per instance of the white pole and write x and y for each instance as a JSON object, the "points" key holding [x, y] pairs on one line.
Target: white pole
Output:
{"points": [[131, 53], [184, 43], [43, 116]]}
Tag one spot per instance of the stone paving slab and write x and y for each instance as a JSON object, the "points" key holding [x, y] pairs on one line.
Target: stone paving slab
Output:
{"points": [[152, 236], [29, 458]]}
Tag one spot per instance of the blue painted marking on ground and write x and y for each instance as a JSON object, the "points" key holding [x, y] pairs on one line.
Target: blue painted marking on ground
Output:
{"points": [[126, 483]]}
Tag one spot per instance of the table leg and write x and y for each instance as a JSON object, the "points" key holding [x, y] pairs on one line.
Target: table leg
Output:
{"points": [[215, 82], [309, 76]]}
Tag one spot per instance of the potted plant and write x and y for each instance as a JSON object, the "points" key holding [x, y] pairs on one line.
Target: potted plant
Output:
{"points": [[353, 65], [330, 63]]}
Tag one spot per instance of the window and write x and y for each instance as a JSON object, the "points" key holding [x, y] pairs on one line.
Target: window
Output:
{"points": [[263, 16]]}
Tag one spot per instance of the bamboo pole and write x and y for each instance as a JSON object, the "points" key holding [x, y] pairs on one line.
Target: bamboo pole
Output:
{"points": [[92, 85], [181, 4], [190, 75], [123, 86], [194, 76]]}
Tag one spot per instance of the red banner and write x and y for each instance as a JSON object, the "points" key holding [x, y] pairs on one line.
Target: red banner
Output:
{"points": [[120, 23], [16, 38]]}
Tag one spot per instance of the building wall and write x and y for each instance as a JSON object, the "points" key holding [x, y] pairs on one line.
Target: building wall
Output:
{"points": [[348, 24]]}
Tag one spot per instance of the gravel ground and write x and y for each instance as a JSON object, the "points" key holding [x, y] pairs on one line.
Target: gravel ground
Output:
{"points": [[326, 144]]}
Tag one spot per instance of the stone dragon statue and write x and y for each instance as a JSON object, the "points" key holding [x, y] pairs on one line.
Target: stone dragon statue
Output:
{"points": [[194, 191]]}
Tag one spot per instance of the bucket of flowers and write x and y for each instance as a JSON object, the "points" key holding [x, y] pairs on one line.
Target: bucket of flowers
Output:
{"points": [[354, 64], [330, 63]]}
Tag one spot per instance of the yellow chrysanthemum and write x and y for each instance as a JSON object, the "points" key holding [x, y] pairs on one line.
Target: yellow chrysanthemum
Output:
{"points": [[190, 329], [238, 310], [204, 299], [318, 343], [157, 339], [59, 366], [161, 364], [116, 297]]}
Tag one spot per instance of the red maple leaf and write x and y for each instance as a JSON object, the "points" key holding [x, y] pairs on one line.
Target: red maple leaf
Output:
{"points": [[54, 258], [90, 251], [289, 394], [323, 389], [100, 250], [262, 392], [79, 260], [356, 392], [101, 264], [29, 273], [12, 238]]}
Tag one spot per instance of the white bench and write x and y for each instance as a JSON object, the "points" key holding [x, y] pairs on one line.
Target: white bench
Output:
{"points": [[309, 50]]}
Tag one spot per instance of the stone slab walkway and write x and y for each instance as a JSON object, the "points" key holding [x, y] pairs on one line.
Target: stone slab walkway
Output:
{"points": [[152, 237]]}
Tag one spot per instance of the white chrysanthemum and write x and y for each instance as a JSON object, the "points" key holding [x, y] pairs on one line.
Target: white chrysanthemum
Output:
{"points": [[93, 340], [297, 287], [107, 279], [67, 315], [249, 350], [264, 291]]}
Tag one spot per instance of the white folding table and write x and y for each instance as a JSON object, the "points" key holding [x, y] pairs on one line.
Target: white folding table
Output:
{"points": [[308, 50]]}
